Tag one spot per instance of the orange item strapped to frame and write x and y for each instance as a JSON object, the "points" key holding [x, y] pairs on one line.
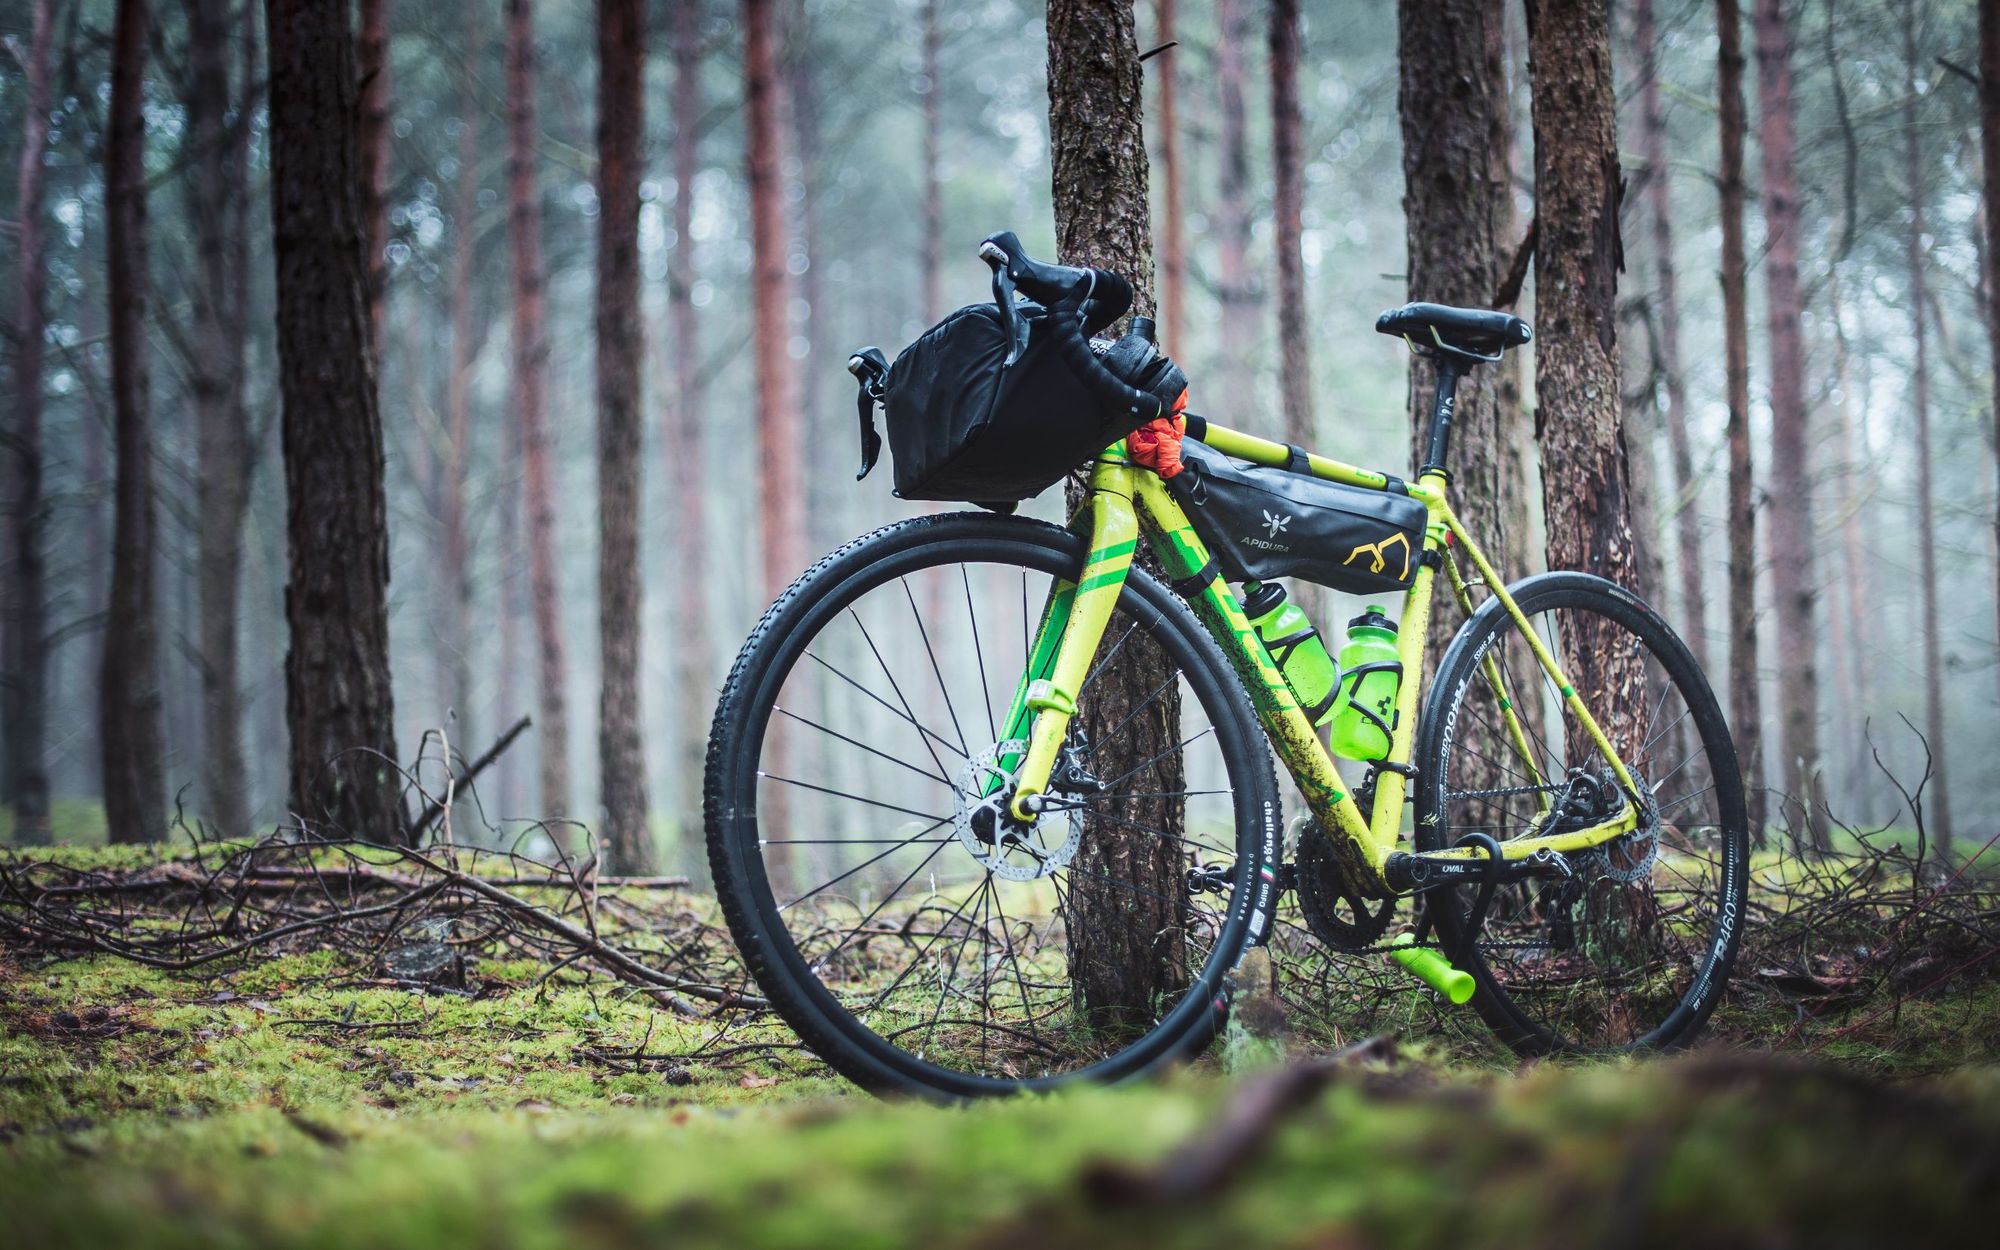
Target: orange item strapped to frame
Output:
{"points": [[1157, 444]]}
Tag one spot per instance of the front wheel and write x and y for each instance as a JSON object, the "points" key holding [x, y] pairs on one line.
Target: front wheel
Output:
{"points": [[914, 934], [1634, 950]]}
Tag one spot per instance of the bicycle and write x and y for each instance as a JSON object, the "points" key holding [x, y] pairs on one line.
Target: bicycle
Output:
{"points": [[939, 889]]}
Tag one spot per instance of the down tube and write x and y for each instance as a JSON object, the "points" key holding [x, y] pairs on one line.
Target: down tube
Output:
{"points": [[1183, 554]]}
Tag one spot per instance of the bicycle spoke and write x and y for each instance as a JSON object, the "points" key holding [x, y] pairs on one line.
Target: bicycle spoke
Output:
{"points": [[883, 755], [960, 949], [979, 654], [907, 710], [938, 672]]}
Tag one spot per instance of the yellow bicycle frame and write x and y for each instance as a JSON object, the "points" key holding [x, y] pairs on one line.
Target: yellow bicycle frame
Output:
{"points": [[1121, 493]]}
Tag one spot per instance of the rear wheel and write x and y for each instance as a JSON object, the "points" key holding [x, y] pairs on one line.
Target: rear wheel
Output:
{"points": [[909, 930], [1634, 949]]}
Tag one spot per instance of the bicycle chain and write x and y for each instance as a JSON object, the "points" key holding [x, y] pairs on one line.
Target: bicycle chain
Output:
{"points": [[1504, 792]]}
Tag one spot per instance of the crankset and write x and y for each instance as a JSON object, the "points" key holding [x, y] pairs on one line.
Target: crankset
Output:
{"points": [[1339, 915]]}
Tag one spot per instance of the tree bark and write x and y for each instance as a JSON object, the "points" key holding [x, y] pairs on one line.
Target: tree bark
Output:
{"points": [[1642, 429], [1745, 697], [1666, 297], [689, 557], [1512, 536], [1173, 248], [129, 690], [1287, 205], [933, 207], [1938, 800], [777, 382], [1857, 604], [1125, 914], [455, 542], [373, 55], [1232, 211], [626, 836], [781, 504], [215, 391], [338, 699], [24, 623], [1577, 255], [1989, 151], [1579, 417], [531, 356], [1455, 205], [1791, 531]]}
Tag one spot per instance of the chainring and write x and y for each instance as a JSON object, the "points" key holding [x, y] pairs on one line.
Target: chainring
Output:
{"points": [[1339, 916]]}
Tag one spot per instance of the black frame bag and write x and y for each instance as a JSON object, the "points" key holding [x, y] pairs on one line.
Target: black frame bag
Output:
{"points": [[966, 425], [1263, 523]]}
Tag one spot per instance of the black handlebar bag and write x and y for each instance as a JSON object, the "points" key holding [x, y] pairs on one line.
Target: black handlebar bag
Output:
{"points": [[1263, 523], [966, 424]]}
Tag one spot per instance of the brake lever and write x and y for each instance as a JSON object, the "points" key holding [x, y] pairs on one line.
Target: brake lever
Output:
{"points": [[1003, 298]]}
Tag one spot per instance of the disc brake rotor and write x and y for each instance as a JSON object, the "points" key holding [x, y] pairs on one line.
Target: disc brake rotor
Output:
{"points": [[1628, 857], [1004, 846]]}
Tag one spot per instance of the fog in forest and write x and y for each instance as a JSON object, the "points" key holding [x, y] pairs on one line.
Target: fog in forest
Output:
{"points": [[878, 103]]}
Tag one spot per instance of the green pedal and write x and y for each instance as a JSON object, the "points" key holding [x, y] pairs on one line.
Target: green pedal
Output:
{"points": [[1430, 966]]}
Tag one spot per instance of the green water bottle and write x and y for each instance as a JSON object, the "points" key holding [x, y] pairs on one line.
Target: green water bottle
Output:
{"points": [[1288, 634], [1365, 710]]}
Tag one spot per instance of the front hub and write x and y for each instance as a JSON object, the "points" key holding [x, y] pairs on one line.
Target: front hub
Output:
{"points": [[1007, 847]]}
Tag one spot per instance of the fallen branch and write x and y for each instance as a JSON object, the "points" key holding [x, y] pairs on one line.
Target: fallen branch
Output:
{"points": [[438, 807]]}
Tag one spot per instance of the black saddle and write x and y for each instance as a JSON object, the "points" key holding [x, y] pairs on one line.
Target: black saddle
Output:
{"points": [[1479, 332]]}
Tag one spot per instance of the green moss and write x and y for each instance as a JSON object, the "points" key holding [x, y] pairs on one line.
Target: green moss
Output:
{"points": [[1662, 1155]]}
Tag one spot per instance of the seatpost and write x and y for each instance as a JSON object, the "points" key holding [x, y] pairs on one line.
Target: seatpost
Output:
{"points": [[1449, 370]]}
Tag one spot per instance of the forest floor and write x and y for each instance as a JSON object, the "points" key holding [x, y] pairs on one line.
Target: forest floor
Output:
{"points": [[300, 1098]]}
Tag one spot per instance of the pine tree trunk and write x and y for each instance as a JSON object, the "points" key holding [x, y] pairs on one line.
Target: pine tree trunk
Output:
{"points": [[337, 692], [455, 542], [1577, 421], [626, 836], [1642, 430], [1511, 535], [799, 109], [24, 623], [1745, 697], [129, 692], [1856, 603], [781, 504], [688, 572], [1125, 905], [531, 357], [778, 446], [1791, 530], [1287, 206], [1659, 202], [1989, 150], [1455, 204], [1579, 418], [373, 55], [1173, 248], [933, 207], [215, 391], [1456, 210], [1232, 212], [1938, 798]]}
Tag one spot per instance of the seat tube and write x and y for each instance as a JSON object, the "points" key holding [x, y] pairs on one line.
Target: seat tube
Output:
{"points": [[1114, 538]]}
